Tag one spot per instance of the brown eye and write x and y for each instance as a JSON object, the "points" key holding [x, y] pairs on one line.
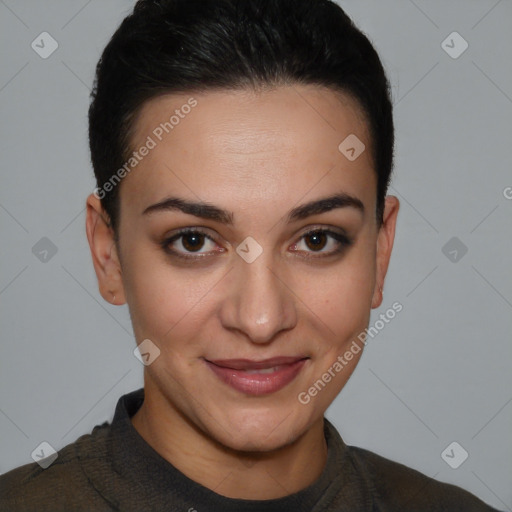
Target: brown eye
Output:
{"points": [[316, 240], [323, 242], [193, 241]]}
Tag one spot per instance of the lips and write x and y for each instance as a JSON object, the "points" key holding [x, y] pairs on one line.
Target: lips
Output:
{"points": [[257, 377]]}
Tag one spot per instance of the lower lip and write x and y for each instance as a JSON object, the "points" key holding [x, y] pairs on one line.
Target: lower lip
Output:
{"points": [[258, 383]]}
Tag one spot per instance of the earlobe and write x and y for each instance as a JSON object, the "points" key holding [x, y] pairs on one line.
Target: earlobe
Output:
{"points": [[385, 240], [378, 295], [103, 252]]}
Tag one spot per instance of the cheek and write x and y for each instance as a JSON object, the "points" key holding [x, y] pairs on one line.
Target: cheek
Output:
{"points": [[168, 304], [344, 295], [345, 306], [158, 296]]}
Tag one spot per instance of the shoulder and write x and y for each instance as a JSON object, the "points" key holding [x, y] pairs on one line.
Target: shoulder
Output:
{"points": [[61, 486], [400, 488]]}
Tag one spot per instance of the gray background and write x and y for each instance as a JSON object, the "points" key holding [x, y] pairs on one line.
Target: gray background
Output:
{"points": [[439, 372]]}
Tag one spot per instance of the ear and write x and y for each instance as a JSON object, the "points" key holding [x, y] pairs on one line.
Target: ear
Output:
{"points": [[385, 239], [104, 252]]}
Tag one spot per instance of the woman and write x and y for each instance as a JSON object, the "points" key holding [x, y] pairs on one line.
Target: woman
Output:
{"points": [[243, 151]]}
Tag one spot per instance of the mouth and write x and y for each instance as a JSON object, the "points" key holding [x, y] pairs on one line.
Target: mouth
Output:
{"points": [[257, 377]]}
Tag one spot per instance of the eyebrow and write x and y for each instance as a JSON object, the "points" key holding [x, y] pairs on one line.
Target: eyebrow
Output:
{"points": [[211, 212]]}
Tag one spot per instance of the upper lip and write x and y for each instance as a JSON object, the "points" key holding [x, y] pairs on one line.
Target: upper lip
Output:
{"points": [[248, 364]]}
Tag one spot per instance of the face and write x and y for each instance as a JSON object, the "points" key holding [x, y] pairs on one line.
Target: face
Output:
{"points": [[249, 254]]}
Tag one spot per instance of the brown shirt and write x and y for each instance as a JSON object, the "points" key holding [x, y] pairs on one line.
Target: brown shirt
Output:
{"points": [[113, 468]]}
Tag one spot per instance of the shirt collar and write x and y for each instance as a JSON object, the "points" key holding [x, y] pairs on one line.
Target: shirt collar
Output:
{"points": [[141, 475]]}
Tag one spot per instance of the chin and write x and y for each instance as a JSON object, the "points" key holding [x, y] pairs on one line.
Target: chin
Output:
{"points": [[251, 431], [258, 442]]}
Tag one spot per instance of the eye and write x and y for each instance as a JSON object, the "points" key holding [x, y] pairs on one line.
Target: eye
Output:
{"points": [[325, 242], [190, 241], [194, 243]]}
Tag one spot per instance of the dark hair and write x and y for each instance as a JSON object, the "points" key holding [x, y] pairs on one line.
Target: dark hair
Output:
{"points": [[168, 46]]}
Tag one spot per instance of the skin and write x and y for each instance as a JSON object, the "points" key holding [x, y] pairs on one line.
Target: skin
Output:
{"points": [[257, 155]]}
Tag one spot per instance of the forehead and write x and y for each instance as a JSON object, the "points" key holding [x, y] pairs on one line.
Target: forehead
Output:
{"points": [[243, 147]]}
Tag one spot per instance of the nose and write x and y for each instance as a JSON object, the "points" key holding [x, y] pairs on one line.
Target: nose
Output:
{"points": [[259, 303]]}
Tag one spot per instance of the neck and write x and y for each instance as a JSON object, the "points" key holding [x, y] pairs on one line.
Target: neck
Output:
{"points": [[230, 473]]}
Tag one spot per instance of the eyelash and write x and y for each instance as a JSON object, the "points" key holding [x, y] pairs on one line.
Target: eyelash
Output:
{"points": [[343, 243]]}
